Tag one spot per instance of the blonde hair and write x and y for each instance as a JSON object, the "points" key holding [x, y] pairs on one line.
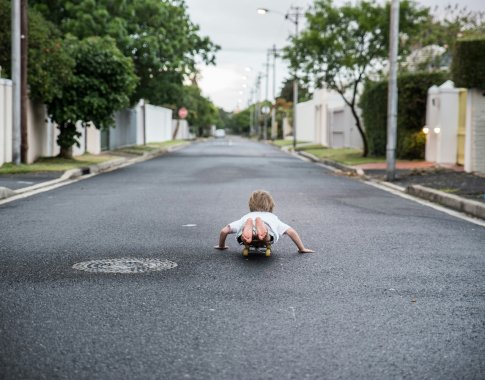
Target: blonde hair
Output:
{"points": [[261, 200]]}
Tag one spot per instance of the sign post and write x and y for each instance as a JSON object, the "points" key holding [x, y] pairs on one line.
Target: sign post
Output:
{"points": [[182, 114]]}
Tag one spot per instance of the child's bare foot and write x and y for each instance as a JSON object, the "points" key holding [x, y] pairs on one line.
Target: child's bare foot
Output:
{"points": [[261, 230], [306, 250], [247, 232]]}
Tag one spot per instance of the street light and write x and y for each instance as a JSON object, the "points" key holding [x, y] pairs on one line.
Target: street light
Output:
{"points": [[292, 15]]}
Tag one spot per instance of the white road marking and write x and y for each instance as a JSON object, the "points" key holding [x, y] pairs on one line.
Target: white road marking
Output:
{"points": [[401, 194], [427, 203], [44, 189]]}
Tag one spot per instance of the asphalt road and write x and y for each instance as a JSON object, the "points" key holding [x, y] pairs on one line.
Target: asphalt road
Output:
{"points": [[395, 290]]}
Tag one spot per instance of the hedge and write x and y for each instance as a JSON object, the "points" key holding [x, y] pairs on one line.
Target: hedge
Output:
{"points": [[412, 95], [468, 65]]}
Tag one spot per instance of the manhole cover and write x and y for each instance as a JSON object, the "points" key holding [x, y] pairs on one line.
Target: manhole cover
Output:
{"points": [[124, 265]]}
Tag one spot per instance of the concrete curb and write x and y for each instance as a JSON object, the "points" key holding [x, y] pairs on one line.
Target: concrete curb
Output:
{"points": [[454, 202], [5, 192], [70, 174], [334, 164]]}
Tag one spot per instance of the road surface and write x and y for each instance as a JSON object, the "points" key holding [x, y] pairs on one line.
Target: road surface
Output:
{"points": [[395, 290]]}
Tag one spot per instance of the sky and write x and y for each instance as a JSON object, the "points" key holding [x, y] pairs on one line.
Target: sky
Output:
{"points": [[245, 37]]}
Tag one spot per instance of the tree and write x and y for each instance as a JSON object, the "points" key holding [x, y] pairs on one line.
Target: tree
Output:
{"points": [[202, 112], [157, 35], [342, 45], [286, 93], [49, 66], [103, 80]]}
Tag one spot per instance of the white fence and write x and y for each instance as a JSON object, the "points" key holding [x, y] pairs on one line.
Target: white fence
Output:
{"points": [[327, 120], [455, 126], [5, 121], [143, 124]]}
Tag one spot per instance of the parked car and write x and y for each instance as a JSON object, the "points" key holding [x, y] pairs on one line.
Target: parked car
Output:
{"points": [[220, 133]]}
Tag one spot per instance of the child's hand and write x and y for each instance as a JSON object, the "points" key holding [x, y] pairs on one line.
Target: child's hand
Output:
{"points": [[221, 248], [306, 250]]}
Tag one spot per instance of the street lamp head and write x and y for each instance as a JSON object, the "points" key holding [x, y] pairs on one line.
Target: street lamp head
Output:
{"points": [[262, 11]]}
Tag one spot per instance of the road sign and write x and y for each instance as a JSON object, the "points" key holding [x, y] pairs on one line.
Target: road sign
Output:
{"points": [[183, 112]]}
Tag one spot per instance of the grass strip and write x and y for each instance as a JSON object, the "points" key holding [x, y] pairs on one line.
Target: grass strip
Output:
{"points": [[347, 156], [55, 164]]}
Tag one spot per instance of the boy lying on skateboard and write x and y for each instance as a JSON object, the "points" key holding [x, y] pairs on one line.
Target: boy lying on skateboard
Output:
{"points": [[260, 227]]}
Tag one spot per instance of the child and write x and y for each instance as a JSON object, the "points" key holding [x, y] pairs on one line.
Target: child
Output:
{"points": [[260, 224]]}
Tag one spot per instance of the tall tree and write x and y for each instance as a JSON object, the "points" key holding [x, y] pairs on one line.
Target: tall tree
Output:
{"points": [[342, 45], [202, 112], [49, 65], [103, 79], [157, 35]]}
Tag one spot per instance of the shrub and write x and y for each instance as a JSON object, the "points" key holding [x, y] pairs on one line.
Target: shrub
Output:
{"points": [[412, 95], [468, 65]]}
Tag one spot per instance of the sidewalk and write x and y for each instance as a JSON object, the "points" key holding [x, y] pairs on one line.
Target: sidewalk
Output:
{"points": [[449, 186], [22, 183]]}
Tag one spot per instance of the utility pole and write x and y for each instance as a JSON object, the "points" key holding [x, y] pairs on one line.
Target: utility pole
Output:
{"points": [[258, 106], [16, 82], [392, 93], [251, 111], [273, 109], [24, 142], [266, 114], [294, 15]]}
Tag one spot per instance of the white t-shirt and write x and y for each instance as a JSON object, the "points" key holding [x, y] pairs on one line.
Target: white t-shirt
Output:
{"points": [[277, 226]]}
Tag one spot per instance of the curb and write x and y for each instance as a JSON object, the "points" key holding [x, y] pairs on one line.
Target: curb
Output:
{"points": [[334, 164], [454, 202], [467, 206], [70, 174]]}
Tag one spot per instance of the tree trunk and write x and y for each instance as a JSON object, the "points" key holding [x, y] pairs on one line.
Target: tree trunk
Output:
{"points": [[66, 153], [67, 138], [361, 131]]}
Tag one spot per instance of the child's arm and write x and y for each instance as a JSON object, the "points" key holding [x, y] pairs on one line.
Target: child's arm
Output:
{"points": [[296, 239], [222, 238]]}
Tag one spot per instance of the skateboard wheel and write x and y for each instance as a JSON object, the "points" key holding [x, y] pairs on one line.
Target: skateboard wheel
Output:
{"points": [[268, 252], [245, 252]]}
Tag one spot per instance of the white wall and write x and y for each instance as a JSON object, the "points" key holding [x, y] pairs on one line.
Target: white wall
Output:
{"points": [[327, 120], [475, 132], [125, 132], [305, 121], [442, 112], [183, 129], [5, 121], [158, 123]]}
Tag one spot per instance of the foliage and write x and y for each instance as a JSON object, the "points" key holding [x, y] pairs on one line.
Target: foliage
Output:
{"points": [[103, 79], [202, 113], [342, 45], [241, 122], [412, 96], [158, 36], [48, 63], [434, 42], [468, 68], [444, 31], [286, 93]]}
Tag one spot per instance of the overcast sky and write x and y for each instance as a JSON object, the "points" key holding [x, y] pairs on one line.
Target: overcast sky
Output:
{"points": [[245, 37]]}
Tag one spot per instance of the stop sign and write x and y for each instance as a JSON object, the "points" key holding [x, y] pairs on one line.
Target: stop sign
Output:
{"points": [[183, 112]]}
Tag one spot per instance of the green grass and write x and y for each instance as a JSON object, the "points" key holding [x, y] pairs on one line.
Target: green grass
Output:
{"points": [[282, 143], [347, 156], [54, 164], [140, 149]]}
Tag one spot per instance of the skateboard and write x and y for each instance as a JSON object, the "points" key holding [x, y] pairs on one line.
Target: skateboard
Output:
{"points": [[257, 246]]}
